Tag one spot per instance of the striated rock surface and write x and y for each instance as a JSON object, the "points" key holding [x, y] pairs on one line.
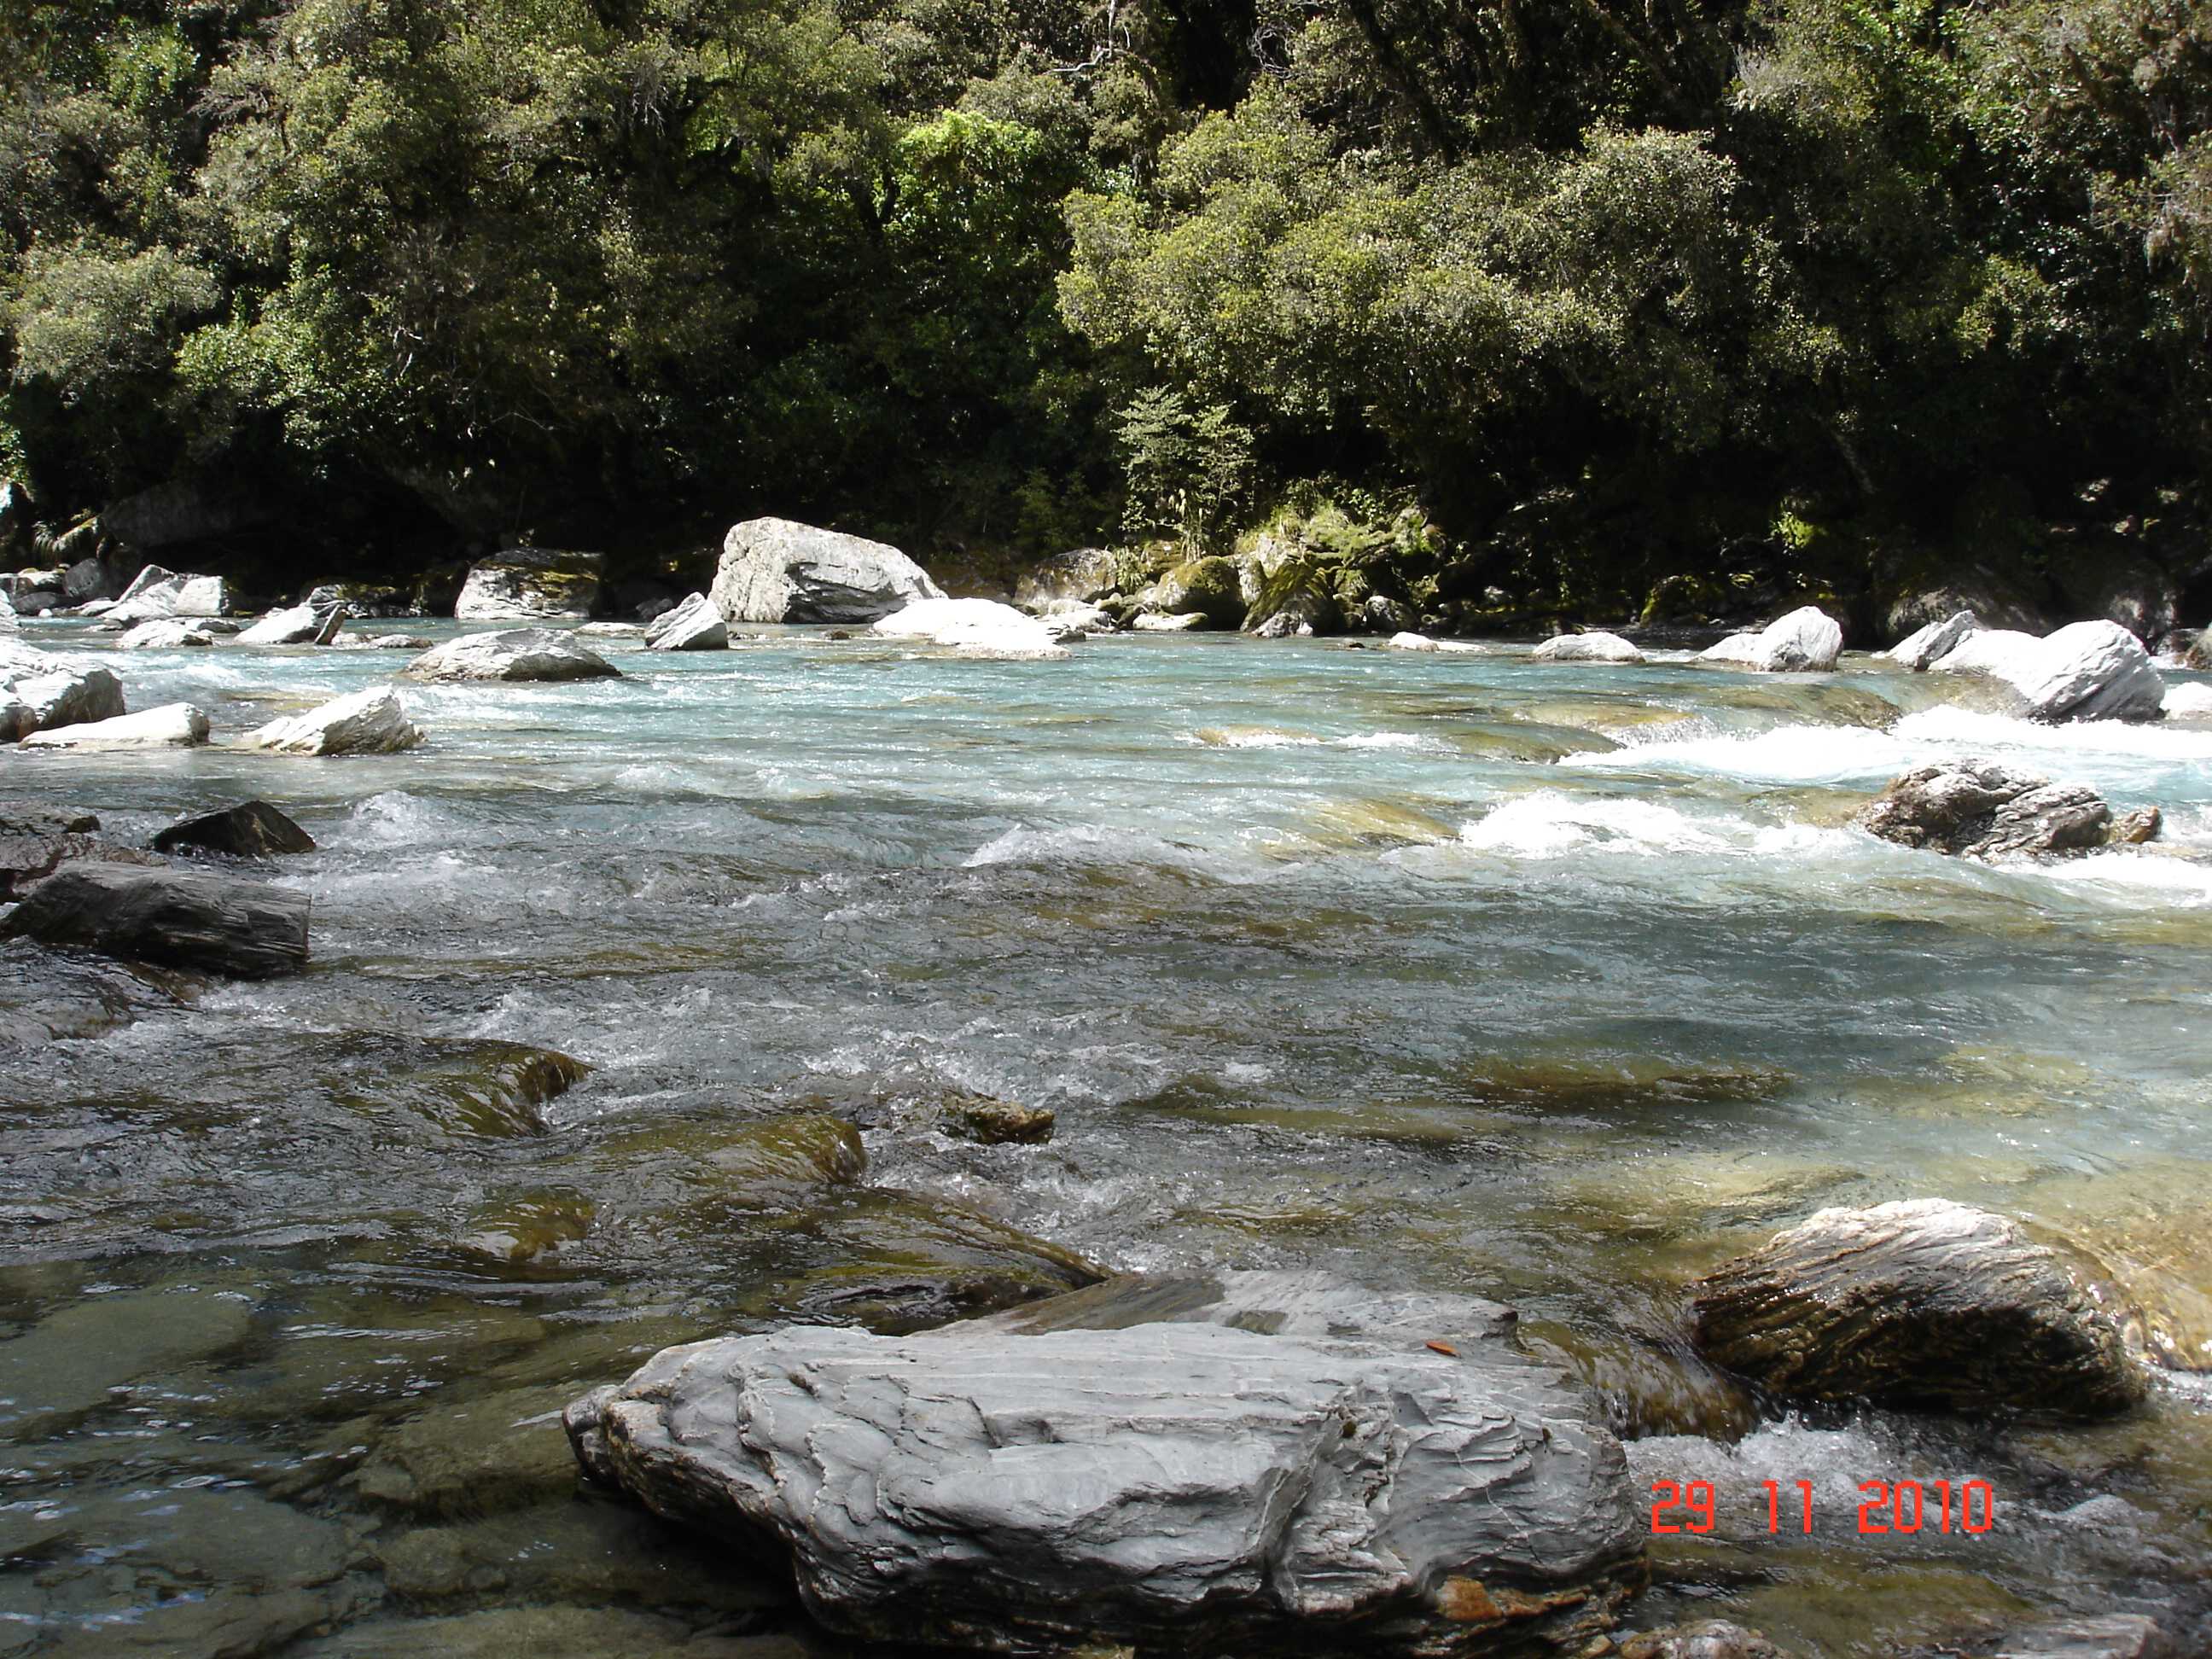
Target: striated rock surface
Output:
{"points": [[1250, 1464], [694, 625], [251, 829], [35, 701], [518, 653], [776, 570], [26, 861], [1807, 641], [1925, 1303], [177, 918], [368, 722], [526, 584], [167, 634], [1596, 646], [172, 725], [155, 593], [301, 624], [1978, 809]]}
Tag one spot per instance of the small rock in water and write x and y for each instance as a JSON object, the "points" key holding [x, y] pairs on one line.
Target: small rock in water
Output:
{"points": [[516, 653], [1927, 1303], [368, 722], [169, 635], [998, 1123], [1930, 644], [694, 625], [172, 725], [1593, 646], [1978, 809], [301, 624], [2113, 1636], [1190, 621], [1708, 1638], [1807, 640], [984, 626], [1101, 1468], [251, 829], [178, 918]]}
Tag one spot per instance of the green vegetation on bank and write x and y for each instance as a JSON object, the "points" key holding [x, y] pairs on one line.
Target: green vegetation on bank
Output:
{"points": [[1534, 304]]}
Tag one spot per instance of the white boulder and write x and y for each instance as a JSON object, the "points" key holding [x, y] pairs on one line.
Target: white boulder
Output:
{"points": [[694, 625], [156, 592], [370, 722], [2086, 671], [983, 626], [300, 625], [172, 725], [517, 654], [62, 696], [776, 570], [1807, 640], [1190, 621], [2192, 701], [1593, 646], [1926, 646]]}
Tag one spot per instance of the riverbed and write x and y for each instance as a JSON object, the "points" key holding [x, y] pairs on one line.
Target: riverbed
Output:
{"points": [[1556, 983]]}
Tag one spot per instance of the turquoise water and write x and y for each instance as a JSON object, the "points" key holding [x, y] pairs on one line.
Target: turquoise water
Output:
{"points": [[1557, 984]]}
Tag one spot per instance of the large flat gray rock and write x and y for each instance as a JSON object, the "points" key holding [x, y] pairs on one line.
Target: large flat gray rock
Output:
{"points": [[1252, 1464], [177, 918]]}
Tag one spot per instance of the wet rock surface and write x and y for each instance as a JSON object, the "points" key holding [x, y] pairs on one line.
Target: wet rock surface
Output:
{"points": [[373, 721], [517, 654], [176, 917], [26, 861], [1404, 1479], [1980, 809], [251, 829], [1925, 1304]]}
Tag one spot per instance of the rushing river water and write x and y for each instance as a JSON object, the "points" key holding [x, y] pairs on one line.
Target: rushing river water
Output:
{"points": [[1554, 983]]}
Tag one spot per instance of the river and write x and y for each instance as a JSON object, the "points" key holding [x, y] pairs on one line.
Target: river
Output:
{"points": [[1554, 983]]}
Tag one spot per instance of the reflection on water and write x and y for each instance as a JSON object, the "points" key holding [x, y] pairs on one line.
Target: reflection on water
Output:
{"points": [[1555, 983]]}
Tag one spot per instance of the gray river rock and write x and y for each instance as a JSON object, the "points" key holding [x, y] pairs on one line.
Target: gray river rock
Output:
{"points": [[176, 917], [1924, 1304], [1977, 809], [533, 584], [171, 726], [373, 721], [777, 571], [26, 861], [251, 829], [693, 625], [515, 653], [1254, 1463]]}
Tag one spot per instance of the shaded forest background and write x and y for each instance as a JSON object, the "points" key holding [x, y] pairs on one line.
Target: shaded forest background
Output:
{"points": [[1547, 301]]}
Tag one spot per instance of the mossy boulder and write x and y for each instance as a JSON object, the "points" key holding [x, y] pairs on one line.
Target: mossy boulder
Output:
{"points": [[1208, 586]]}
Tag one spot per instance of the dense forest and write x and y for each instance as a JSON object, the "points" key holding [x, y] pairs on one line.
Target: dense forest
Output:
{"points": [[1542, 301]]}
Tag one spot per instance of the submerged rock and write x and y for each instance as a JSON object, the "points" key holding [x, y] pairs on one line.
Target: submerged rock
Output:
{"points": [[368, 722], [776, 570], [1707, 1638], [166, 633], [1927, 1303], [1807, 640], [694, 625], [251, 829], [997, 1122], [517, 654], [2107, 1635], [1927, 646], [301, 624], [981, 626], [172, 725], [533, 584], [1593, 646], [1978, 809], [50, 996], [2090, 671], [1106, 1466], [178, 918]]}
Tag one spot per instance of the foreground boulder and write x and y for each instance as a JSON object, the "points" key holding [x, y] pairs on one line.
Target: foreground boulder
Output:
{"points": [[982, 626], [1926, 1303], [172, 725], [35, 702], [2091, 671], [369, 722], [1248, 1464], [155, 593], [1807, 641], [533, 584], [26, 861], [251, 829], [177, 918], [301, 624], [1978, 809], [1596, 646], [518, 653], [775, 570], [694, 625]]}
